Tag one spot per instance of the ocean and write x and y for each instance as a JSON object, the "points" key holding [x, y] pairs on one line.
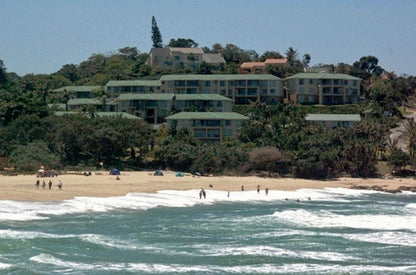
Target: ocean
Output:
{"points": [[173, 232]]}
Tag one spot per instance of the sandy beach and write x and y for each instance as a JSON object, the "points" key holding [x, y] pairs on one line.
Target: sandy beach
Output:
{"points": [[22, 187]]}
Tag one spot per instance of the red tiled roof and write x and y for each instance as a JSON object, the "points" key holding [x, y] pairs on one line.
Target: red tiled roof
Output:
{"points": [[252, 64], [276, 61]]}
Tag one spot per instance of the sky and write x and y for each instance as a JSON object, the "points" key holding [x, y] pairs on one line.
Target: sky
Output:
{"points": [[43, 35]]}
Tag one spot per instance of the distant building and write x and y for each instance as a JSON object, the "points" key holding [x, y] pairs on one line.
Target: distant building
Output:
{"points": [[209, 126], [172, 57], [242, 89], [332, 121], [155, 107], [76, 104], [261, 67], [322, 88], [80, 91], [116, 87]]}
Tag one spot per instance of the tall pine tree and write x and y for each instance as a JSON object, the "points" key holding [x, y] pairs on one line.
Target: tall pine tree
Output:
{"points": [[156, 35]]}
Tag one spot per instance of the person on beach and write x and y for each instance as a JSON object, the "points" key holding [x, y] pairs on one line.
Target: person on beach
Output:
{"points": [[267, 191], [60, 184], [50, 184], [37, 184], [258, 189], [228, 194], [202, 193], [43, 184], [242, 187]]}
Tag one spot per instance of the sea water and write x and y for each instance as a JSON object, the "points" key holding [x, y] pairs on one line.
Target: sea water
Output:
{"points": [[328, 231]]}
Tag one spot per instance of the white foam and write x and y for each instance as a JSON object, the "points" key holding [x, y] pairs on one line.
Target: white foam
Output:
{"points": [[385, 237], [411, 205], [178, 268], [271, 251], [21, 211], [4, 266], [323, 219]]}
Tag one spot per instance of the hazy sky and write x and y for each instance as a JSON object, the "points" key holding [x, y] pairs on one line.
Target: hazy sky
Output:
{"points": [[40, 36]]}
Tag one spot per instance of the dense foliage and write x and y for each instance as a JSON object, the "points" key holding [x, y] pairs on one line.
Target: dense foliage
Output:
{"points": [[277, 139]]}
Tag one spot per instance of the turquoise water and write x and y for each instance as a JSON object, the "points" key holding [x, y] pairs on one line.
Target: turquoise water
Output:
{"points": [[337, 231]]}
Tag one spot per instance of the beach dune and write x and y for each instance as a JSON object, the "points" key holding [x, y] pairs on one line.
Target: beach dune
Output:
{"points": [[22, 187]]}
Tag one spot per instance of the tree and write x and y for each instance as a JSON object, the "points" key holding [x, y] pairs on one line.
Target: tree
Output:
{"points": [[3, 76], [366, 67], [28, 158], [182, 43], [156, 35], [292, 56], [266, 158], [409, 131], [129, 52], [306, 60], [270, 54]]}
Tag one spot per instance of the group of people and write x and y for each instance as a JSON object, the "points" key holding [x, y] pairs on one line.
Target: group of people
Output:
{"points": [[37, 184]]}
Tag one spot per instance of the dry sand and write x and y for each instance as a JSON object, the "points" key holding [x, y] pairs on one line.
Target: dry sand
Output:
{"points": [[22, 187]]}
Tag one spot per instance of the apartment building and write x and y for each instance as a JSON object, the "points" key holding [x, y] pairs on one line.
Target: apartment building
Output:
{"points": [[172, 57], [116, 87], [242, 89], [209, 126], [80, 91], [155, 107], [332, 121], [322, 88]]}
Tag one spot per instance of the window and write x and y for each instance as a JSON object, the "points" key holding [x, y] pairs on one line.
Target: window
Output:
{"points": [[345, 82], [272, 91], [176, 57], [219, 104], [310, 81], [354, 83], [213, 133], [208, 84], [200, 133], [301, 81], [228, 133], [222, 83], [301, 90], [227, 122]]}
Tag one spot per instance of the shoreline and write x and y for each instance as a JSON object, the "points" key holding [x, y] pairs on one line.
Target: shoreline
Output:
{"points": [[22, 187]]}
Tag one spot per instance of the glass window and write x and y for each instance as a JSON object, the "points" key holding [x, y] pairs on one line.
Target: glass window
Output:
{"points": [[227, 122], [228, 133], [213, 133], [301, 81], [310, 81], [200, 133]]}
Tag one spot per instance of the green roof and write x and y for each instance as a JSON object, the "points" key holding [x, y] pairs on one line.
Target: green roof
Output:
{"points": [[207, 115], [170, 97], [332, 117], [78, 88], [145, 97], [89, 101], [131, 83], [202, 97], [323, 75], [84, 101], [100, 114], [173, 77]]}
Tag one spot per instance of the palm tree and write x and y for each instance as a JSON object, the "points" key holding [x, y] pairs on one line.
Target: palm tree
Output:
{"points": [[409, 131], [291, 55]]}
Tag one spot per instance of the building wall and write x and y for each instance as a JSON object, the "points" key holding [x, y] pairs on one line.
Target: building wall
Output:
{"points": [[324, 91], [209, 130], [240, 91]]}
